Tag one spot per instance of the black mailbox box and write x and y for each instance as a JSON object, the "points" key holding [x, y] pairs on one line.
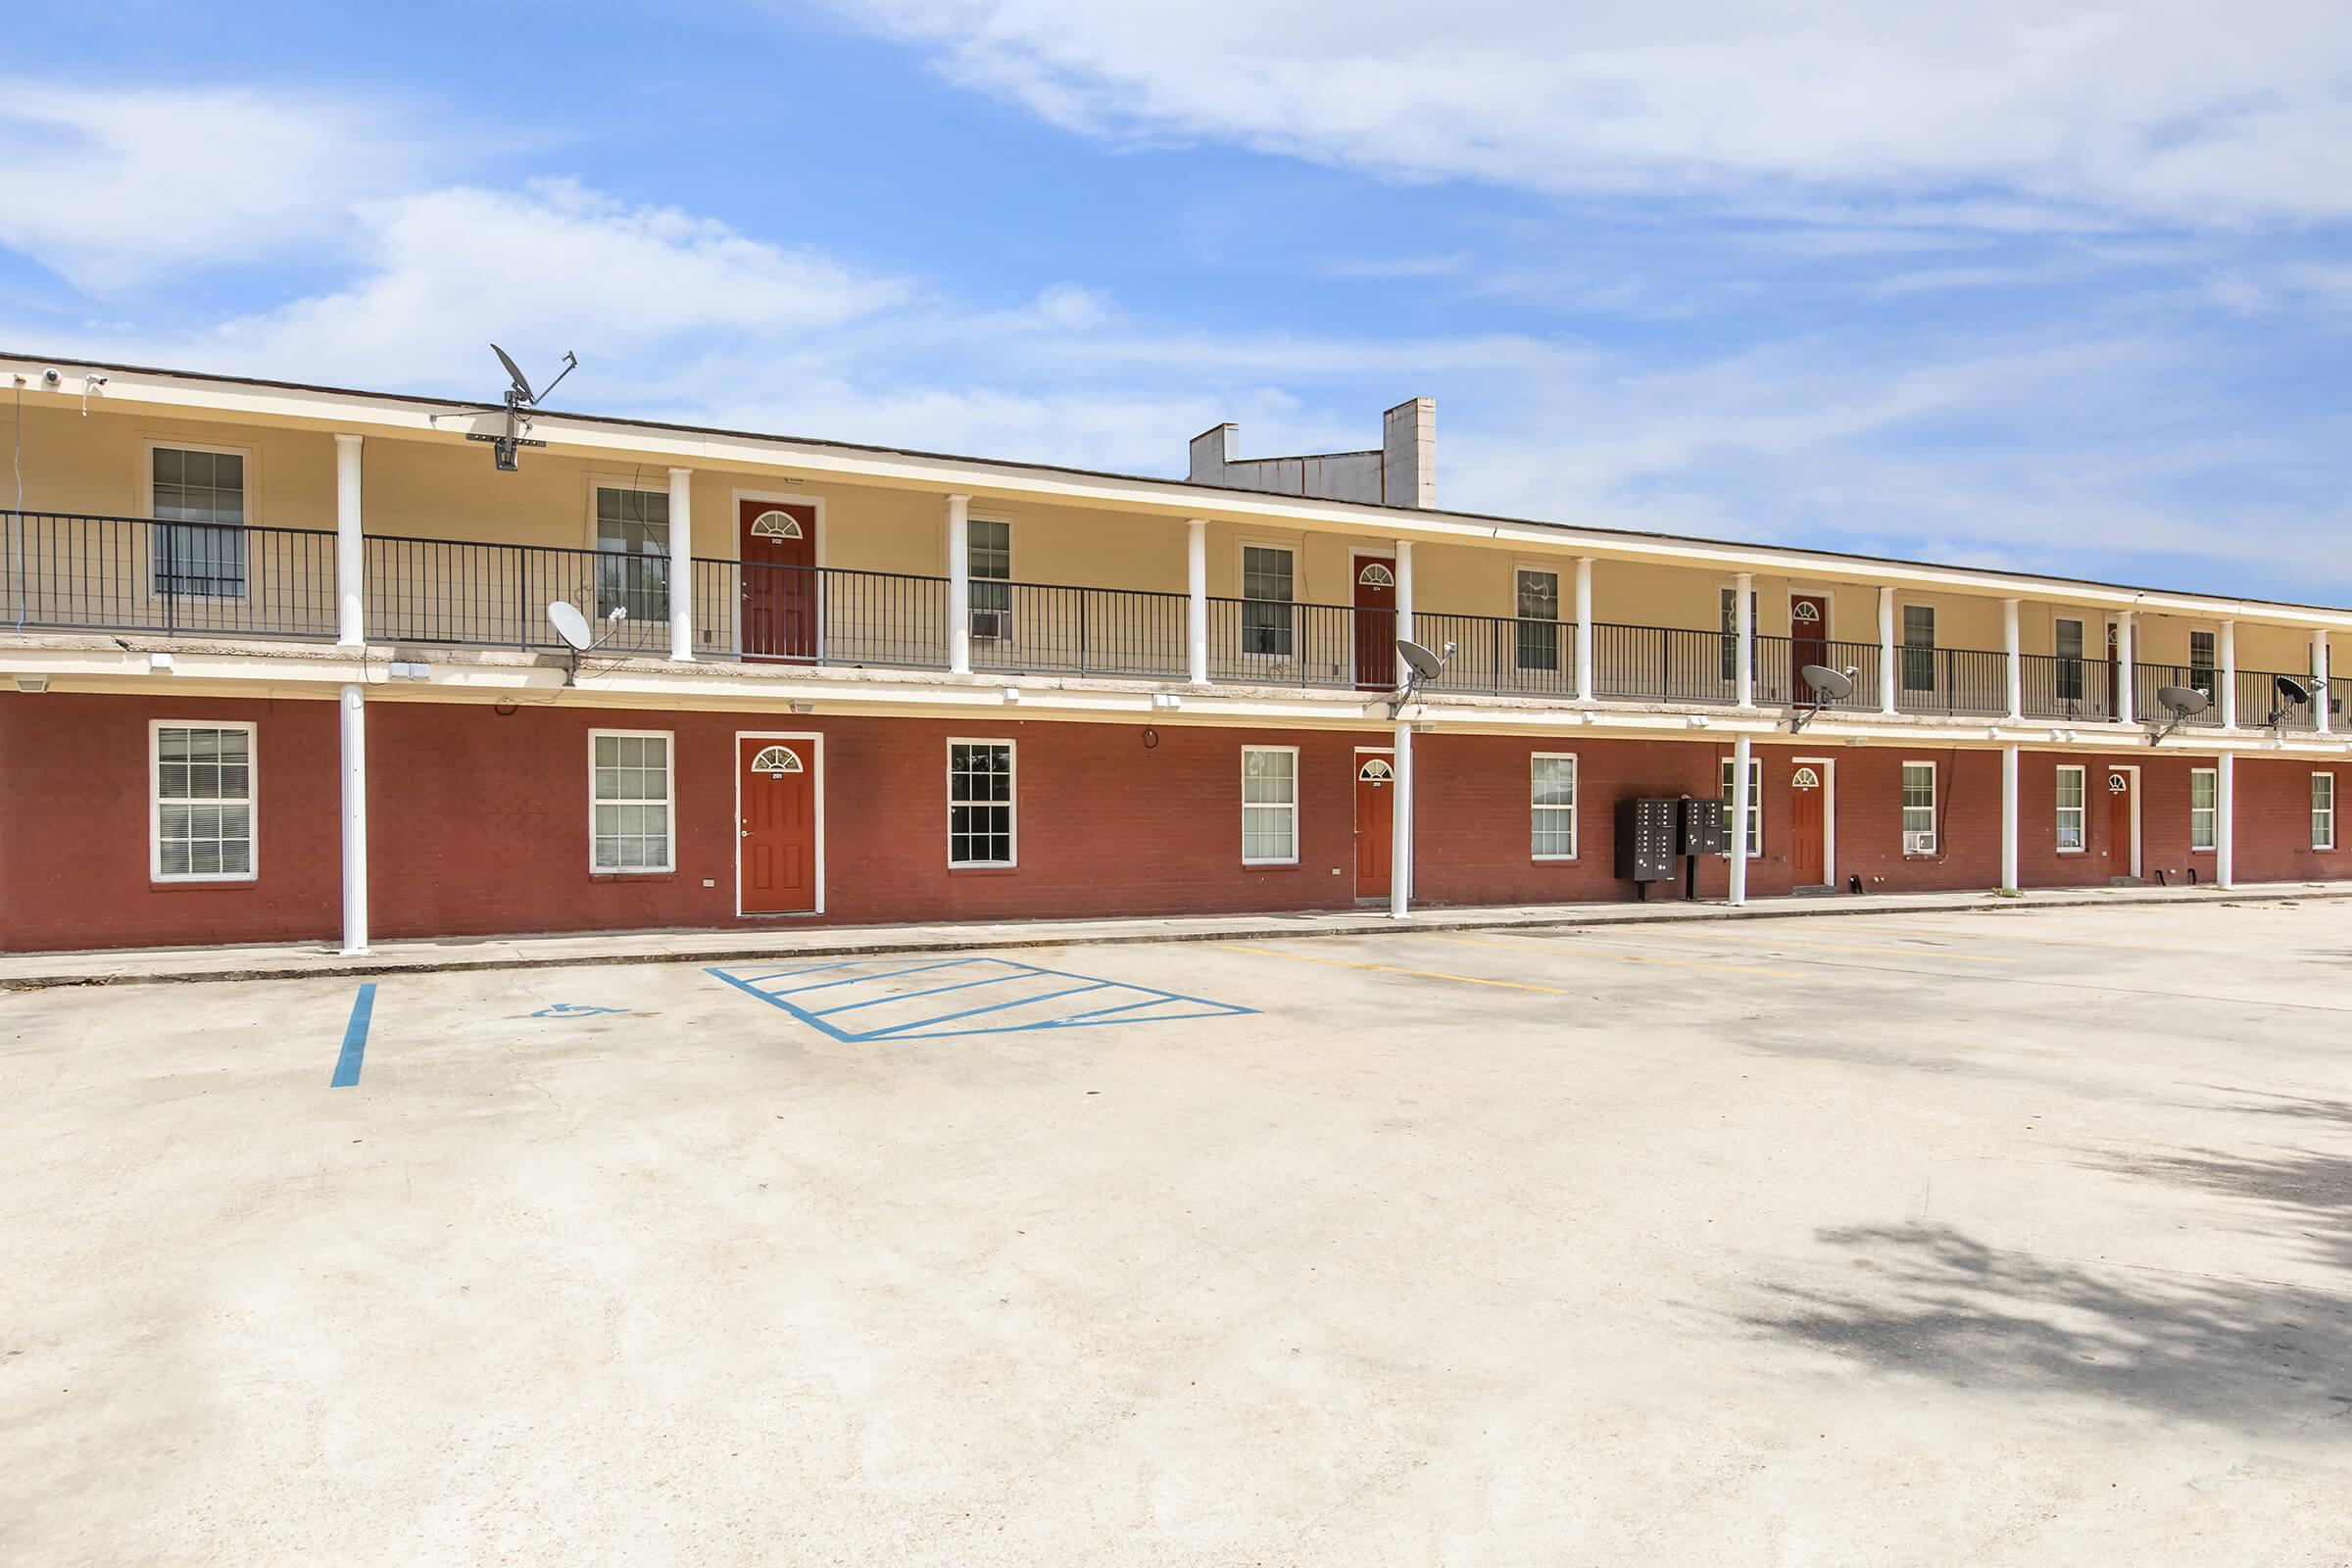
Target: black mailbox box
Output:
{"points": [[1646, 837], [1702, 828]]}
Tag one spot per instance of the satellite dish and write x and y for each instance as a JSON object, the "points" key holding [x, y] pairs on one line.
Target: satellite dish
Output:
{"points": [[1828, 685], [569, 623], [2292, 691], [1420, 661], [2184, 702], [522, 383]]}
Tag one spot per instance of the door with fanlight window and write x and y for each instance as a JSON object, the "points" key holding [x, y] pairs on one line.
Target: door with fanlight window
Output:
{"points": [[777, 547], [1808, 825], [1808, 641], [1375, 624], [1375, 823], [776, 842]]}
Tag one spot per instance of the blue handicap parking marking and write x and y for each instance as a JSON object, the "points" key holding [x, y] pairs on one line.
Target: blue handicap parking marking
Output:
{"points": [[860, 1001], [573, 1010]]}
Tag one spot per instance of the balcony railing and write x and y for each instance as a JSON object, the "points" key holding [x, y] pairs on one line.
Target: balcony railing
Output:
{"points": [[66, 572], [72, 571]]}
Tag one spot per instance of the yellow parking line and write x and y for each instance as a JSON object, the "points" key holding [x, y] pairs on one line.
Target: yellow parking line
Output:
{"points": [[1530, 946], [1831, 947], [1391, 969], [2003, 936]]}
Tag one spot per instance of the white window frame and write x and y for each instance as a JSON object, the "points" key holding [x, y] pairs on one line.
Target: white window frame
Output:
{"points": [[2081, 773], [1241, 594], [1902, 786], [1563, 647], [2212, 813], [1012, 804], [148, 447], [598, 607], [1904, 646], [2317, 775], [1245, 804], [669, 803], [1005, 583], [1755, 803], [155, 800], [1728, 588], [2080, 659], [1534, 811]]}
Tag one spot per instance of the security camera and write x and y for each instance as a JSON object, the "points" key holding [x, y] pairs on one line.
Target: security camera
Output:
{"points": [[93, 379], [51, 378]]}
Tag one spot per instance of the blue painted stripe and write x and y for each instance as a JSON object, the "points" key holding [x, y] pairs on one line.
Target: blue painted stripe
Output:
{"points": [[354, 1039], [994, 1006], [859, 979], [910, 996]]}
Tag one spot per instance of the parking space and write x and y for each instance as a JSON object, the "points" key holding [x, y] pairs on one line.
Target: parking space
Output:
{"points": [[2000, 1238]]}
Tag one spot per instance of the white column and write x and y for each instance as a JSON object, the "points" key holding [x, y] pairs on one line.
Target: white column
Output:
{"points": [[2126, 661], [1737, 837], [351, 615], [1400, 834], [1887, 651], [1196, 608], [681, 562], [2013, 644], [1583, 628], [2225, 819], [2318, 681], [2228, 695], [354, 704], [1743, 623], [2009, 759], [959, 585], [1404, 605]]}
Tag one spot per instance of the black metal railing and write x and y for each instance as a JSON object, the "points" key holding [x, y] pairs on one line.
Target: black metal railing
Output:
{"points": [[65, 572], [2261, 702], [1950, 680], [1663, 663], [496, 596], [2054, 686], [1036, 628], [1780, 673], [820, 614], [2147, 680], [1502, 656], [1278, 643]]}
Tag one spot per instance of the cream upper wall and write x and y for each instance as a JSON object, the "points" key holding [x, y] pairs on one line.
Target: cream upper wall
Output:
{"points": [[447, 489]]}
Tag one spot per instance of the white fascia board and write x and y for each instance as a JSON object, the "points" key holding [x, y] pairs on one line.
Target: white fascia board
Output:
{"points": [[382, 412]]}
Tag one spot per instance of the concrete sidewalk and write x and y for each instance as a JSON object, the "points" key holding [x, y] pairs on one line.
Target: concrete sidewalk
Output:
{"points": [[156, 965]]}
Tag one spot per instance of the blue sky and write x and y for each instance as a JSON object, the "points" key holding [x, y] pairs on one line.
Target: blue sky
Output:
{"points": [[2058, 285]]}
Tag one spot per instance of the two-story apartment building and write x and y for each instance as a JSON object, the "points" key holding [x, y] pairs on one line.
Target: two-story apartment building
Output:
{"points": [[277, 662]]}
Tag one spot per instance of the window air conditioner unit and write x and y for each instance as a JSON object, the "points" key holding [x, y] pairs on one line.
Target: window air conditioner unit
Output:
{"points": [[1919, 843], [992, 625]]}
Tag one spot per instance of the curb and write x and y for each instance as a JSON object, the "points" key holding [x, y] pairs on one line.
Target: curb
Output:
{"points": [[951, 939]]}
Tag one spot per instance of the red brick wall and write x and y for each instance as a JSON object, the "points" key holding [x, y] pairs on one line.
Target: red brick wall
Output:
{"points": [[479, 821]]}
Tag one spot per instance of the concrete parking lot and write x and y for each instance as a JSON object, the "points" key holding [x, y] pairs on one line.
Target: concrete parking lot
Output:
{"points": [[2001, 1237]]}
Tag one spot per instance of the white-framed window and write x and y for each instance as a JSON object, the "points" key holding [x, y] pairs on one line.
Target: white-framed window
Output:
{"points": [[200, 815], [2066, 642], [630, 781], [2323, 810], [980, 803], [988, 562], [632, 544], [2204, 798], [1727, 600], [1755, 803], [2204, 662], [1551, 805], [2072, 781], [1269, 586], [1537, 602], [1919, 648], [1269, 806], [197, 497], [1919, 807]]}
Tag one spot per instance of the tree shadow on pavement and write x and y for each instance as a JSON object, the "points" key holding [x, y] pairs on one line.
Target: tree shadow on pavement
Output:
{"points": [[1932, 1302]]}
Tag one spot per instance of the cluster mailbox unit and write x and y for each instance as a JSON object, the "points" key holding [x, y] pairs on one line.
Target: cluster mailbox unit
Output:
{"points": [[1653, 832]]}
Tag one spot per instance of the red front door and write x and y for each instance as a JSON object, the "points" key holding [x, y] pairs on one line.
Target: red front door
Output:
{"points": [[1808, 640], [1375, 825], [776, 848], [1808, 820], [1375, 624], [777, 545], [2122, 852]]}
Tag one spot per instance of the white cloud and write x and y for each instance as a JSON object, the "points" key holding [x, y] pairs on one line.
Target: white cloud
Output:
{"points": [[112, 187], [2002, 113]]}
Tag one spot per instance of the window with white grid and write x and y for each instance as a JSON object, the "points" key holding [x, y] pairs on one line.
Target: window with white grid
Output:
{"points": [[1919, 807], [629, 791], [2204, 795], [1755, 804], [1551, 805], [980, 803], [199, 498], [2071, 787], [1269, 805], [2323, 810], [201, 800]]}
